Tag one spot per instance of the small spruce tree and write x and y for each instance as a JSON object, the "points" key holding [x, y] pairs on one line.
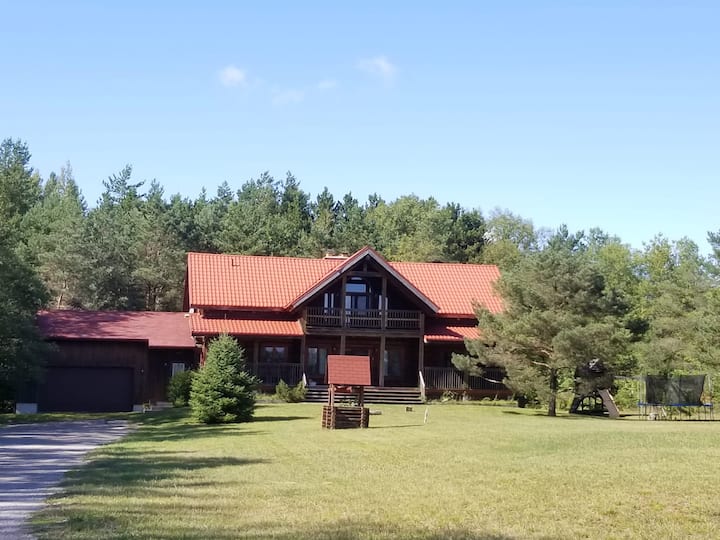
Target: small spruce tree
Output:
{"points": [[222, 391]]}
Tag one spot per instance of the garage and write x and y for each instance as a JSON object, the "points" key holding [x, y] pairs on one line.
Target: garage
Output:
{"points": [[86, 389], [109, 361]]}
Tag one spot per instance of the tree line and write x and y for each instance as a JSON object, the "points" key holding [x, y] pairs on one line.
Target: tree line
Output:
{"points": [[653, 309]]}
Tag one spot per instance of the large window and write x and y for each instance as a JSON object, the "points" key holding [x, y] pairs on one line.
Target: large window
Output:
{"points": [[273, 353], [392, 363], [317, 361], [361, 294]]}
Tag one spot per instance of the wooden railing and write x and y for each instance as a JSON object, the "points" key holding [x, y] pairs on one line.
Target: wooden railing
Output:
{"points": [[270, 373], [451, 379], [393, 319], [402, 319], [443, 377]]}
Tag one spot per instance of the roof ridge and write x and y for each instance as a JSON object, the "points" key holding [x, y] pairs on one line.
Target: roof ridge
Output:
{"points": [[453, 263], [246, 256]]}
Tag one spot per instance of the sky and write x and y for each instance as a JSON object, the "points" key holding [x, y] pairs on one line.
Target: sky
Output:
{"points": [[586, 113]]}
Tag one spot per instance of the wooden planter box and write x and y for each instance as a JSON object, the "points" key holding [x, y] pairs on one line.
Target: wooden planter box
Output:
{"points": [[345, 417]]}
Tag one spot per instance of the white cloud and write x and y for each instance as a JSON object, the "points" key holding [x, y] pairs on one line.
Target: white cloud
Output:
{"points": [[378, 66], [287, 97], [232, 76], [327, 84]]}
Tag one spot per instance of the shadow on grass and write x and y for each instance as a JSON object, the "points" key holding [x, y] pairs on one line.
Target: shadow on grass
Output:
{"points": [[89, 522], [280, 418], [396, 427], [527, 413], [11, 418], [176, 425], [121, 467]]}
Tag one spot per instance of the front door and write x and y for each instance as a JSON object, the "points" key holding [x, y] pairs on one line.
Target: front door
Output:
{"points": [[394, 367]]}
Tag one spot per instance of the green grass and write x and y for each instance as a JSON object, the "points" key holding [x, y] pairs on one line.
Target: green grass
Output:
{"points": [[471, 472]]}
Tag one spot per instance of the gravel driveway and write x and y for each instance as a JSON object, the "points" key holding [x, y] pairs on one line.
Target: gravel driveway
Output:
{"points": [[33, 459]]}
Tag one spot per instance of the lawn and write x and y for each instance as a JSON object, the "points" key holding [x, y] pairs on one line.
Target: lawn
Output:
{"points": [[470, 472]]}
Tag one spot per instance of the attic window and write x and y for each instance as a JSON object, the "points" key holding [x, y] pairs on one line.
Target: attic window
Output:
{"points": [[235, 262]]}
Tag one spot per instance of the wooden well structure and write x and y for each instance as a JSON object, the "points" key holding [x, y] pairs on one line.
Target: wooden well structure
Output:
{"points": [[348, 375]]}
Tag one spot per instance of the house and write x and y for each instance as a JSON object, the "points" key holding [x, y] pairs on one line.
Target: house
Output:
{"points": [[289, 314], [106, 361]]}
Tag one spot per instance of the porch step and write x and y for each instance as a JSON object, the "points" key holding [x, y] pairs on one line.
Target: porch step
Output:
{"points": [[373, 394]]}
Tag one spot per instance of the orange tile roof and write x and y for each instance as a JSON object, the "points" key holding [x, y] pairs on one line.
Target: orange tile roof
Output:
{"points": [[437, 331], [274, 283], [252, 282], [348, 370], [243, 327], [453, 286], [161, 330]]}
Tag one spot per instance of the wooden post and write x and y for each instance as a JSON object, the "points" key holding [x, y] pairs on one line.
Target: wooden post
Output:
{"points": [[383, 305], [303, 352], [421, 347], [342, 343], [342, 302], [381, 373], [256, 357]]}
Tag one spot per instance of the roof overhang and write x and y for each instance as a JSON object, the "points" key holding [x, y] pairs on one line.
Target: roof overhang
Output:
{"points": [[245, 327], [440, 331]]}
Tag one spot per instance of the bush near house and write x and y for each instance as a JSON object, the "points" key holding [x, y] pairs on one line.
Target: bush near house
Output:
{"points": [[179, 388], [290, 394], [222, 391]]}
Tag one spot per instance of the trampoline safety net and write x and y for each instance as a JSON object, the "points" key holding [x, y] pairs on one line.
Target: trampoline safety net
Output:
{"points": [[682, 390]]}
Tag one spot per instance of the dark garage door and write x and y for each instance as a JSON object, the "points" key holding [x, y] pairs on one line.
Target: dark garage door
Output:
{"points": [[86, 389]]}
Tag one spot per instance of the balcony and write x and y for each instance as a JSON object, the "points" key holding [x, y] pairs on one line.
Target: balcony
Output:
{"points": [[370, 319]]}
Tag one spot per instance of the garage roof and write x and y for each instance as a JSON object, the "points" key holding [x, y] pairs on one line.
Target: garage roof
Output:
{"points": [[161, 330]]}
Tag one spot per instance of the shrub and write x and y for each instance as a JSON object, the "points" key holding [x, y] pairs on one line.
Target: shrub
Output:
{"points": [[292, 394], [179, 388], [222, 391], [626, 394]]}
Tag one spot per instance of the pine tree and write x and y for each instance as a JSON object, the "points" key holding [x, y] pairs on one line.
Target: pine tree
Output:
{"points": [[558, 316]]}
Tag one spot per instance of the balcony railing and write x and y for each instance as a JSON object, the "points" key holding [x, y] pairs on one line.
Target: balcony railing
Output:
{"points": [[270, 373], [393, 319], [448, 378]]}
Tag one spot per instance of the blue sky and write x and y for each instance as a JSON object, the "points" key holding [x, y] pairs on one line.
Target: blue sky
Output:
{"points": [[589, 113]]}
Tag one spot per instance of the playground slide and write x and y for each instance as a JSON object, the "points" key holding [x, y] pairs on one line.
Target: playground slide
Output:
{"points": [[609, 403]]}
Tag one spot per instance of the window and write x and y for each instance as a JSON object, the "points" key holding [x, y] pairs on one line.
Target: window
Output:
{"points": [[356, 286], [178, 367], [361, 294], [317, 360], [392, 366], [273, 353]]}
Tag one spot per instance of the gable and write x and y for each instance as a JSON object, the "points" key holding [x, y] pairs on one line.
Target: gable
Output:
{"points": [[350, 263]]}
